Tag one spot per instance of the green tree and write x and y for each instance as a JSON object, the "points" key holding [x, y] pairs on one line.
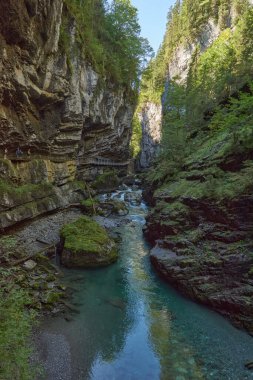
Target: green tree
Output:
{"points": [[108, 35], [174, 125], [129, 49]]}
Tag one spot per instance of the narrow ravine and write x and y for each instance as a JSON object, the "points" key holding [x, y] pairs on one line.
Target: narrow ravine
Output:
{"points": [[131, 325]]}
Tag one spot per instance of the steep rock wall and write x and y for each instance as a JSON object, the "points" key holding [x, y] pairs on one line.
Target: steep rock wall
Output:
{"points": [[150, 118], [62, 111], [179, 65], [200, 225]]}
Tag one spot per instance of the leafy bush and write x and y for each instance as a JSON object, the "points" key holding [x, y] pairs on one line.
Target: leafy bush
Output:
{"points": [[136, 135], [108, 35], [237, 118]]}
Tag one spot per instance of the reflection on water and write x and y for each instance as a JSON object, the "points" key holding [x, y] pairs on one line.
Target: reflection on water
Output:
{"points": [[133, 326]]}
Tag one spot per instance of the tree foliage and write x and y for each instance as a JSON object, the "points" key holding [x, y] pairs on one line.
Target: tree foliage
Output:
{"points": [[136, 135], [216, 72], [237, 118], [108, 34], [174, 129]]}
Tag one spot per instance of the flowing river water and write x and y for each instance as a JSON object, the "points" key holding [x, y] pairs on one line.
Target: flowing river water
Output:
{"points": [[133, 326]]}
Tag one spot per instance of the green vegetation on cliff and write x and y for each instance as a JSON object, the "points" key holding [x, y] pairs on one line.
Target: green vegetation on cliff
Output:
{"points": [[217, 70], [208, 114], [108, 34], [106, 181]]}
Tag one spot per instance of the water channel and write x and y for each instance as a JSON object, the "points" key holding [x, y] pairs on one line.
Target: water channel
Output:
{"points": [[133, 326]]}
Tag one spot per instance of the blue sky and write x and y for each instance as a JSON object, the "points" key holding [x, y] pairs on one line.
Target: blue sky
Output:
{"points": [[152, 19]]}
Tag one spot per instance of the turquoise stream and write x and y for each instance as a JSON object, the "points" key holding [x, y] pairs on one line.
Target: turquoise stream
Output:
{"points": [[133, 326]]}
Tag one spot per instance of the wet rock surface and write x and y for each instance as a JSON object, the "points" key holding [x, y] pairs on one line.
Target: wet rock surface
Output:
{"points": [[39, 234], [204, 248]]}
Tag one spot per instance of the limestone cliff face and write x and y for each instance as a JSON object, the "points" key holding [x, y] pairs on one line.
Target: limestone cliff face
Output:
{"points": [[62, 111], [180, 63], [150, 118]]}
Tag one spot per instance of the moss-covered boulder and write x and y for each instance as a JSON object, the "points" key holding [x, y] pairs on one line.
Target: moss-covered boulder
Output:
{"points": [[86, 244]]}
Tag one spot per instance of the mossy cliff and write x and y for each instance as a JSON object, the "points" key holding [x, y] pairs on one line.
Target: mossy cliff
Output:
{"points": [[201, 186], [66, 97]]}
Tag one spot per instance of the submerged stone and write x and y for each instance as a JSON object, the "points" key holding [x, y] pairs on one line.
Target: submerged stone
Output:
{"points": [[86, 244]]}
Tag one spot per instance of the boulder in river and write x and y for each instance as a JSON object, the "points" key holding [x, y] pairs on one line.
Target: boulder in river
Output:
{"points": [[86, 244], [134, 198]]}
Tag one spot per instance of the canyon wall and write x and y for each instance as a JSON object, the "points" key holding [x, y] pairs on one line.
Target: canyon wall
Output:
{"points": [[200, 224], [64, 117]]}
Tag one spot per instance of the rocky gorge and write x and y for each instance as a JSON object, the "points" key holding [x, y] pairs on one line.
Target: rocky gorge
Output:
{"points": [[205, 250], [71, 204]]}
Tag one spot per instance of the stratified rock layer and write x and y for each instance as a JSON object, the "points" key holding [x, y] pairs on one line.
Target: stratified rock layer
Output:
{"points": [[203, 246], [66, 114]]}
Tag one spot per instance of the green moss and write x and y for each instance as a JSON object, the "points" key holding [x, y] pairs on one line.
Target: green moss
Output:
{"points": [[91, 206], [79, 185], [87, 245], [219, 185], [181, 187], [7, 169], [84, 235], [15, 329], [195, 235], [53, 297], [173, 210], [19, 192], [8, 242], [212, 260]]}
